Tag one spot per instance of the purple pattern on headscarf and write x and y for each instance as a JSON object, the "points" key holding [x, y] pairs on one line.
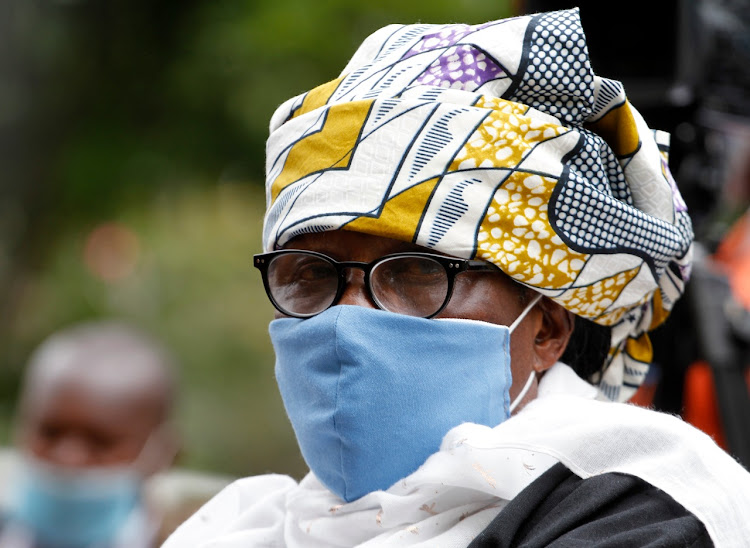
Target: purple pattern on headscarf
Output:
{"points": [[440, 40], [685, 270], [459, 66], [462, 67]]}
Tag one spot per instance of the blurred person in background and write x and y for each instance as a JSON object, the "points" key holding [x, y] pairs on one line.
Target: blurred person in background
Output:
{"points": [[92, 426], [469, 236]]}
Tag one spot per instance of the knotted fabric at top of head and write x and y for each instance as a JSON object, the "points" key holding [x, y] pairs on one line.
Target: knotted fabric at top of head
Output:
{"points": [[495, 142]]}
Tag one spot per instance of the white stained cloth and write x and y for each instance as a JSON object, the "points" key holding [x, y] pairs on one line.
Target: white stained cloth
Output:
{"points": [[457, 492]]}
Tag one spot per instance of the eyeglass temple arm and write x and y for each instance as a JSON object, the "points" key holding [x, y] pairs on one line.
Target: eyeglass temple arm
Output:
{"points": [[480, 265]]}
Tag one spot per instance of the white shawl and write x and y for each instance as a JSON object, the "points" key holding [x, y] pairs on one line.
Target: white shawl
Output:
{"points": [[455, 494]]}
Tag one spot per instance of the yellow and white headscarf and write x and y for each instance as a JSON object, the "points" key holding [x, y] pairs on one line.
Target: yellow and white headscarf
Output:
{"points": [[494, 142]]}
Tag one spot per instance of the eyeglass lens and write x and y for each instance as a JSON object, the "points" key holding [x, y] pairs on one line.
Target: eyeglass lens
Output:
{"points": [[415, 286], [304, 284]]}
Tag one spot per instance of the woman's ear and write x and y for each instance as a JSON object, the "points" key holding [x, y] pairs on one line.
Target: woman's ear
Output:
{"points": [[552, 334]]}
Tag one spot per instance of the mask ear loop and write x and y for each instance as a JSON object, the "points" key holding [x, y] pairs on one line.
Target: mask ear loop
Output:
{"points": [[523, 392], [530, 380], [526, 310]]}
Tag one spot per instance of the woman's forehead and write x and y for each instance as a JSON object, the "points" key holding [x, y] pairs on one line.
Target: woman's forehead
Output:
{"points": [[349, 245]]}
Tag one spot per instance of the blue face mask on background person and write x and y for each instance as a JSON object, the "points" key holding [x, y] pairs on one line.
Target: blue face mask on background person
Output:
{"points": [[371, 394], [74, 508]]}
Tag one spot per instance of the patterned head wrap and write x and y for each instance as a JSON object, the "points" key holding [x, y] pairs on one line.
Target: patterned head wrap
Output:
{"points": [[496, 142]]}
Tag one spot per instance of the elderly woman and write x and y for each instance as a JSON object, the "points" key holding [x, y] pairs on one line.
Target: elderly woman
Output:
{"points": [[468, 236]]}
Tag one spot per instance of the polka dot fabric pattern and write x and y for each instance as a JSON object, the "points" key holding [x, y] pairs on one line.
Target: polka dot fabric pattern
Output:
{"points": [[497, 142], [558, 77]]}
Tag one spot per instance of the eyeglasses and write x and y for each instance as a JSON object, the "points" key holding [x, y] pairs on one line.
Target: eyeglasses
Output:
{"points": [[305, 283]]}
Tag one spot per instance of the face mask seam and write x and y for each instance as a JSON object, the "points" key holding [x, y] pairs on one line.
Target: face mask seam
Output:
{"points": [[509, 381], [336, 401]]}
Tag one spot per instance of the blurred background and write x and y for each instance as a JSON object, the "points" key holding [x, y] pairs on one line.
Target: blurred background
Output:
{"points": [[131, 169], [132, 138]]}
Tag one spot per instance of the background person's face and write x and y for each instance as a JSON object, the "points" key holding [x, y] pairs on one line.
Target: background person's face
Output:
{"points": [[69, 423]]}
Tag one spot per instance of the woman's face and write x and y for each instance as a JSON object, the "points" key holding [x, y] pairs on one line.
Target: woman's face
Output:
{"points": [[487, 296]]}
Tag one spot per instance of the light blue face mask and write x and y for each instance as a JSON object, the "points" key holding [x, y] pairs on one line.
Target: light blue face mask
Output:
{"points": [[371, 394], [73, 508]]}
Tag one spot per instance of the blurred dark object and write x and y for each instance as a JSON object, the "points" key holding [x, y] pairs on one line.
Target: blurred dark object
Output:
{"points": [[723, 337], [684, 65]]}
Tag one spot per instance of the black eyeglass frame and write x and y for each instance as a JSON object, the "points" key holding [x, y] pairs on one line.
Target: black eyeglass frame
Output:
{"points": [[452, 266]]}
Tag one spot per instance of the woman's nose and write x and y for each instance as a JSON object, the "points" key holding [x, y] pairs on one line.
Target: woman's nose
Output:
{"points": [[355, 292]]}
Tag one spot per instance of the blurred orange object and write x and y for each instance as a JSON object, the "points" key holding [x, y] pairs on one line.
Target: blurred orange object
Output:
{"points": [[644, 396], [700, 406], [734, 255]]}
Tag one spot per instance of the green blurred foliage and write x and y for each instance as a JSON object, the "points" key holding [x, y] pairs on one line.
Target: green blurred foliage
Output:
{"points": [[151, 117]]}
